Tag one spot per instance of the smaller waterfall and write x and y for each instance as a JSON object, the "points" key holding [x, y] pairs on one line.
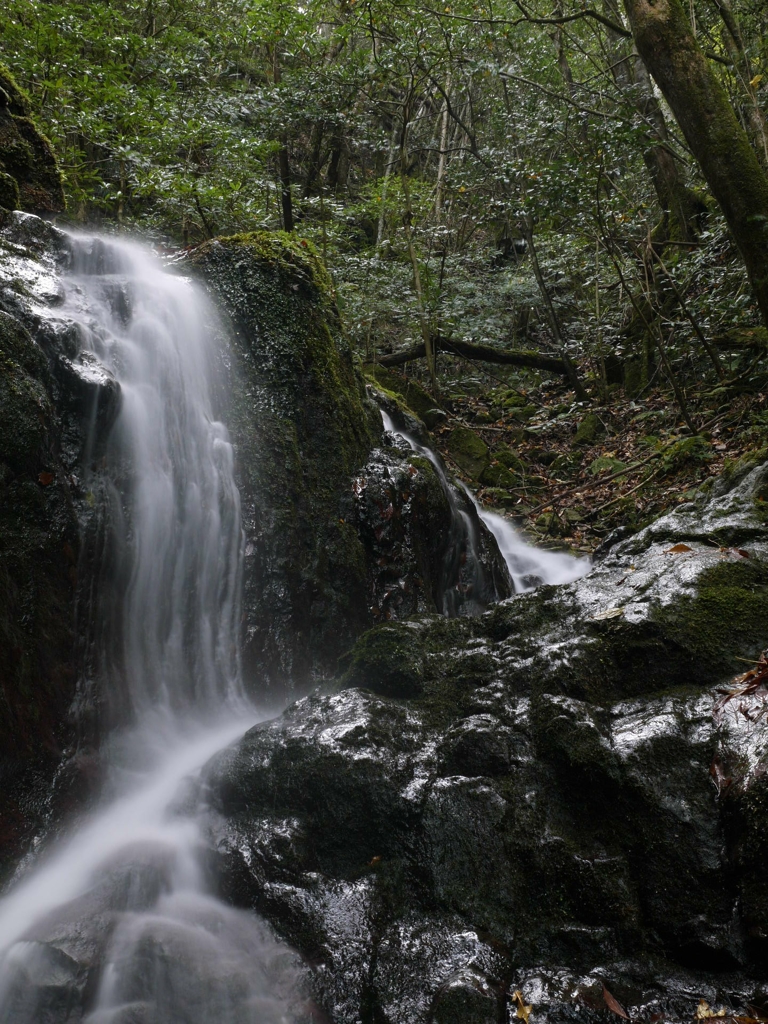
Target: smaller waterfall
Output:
{"points": [[465, 586], [528, 566]]}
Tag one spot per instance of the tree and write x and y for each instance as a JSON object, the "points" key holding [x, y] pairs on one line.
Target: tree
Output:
{"points": [[730, 165]]}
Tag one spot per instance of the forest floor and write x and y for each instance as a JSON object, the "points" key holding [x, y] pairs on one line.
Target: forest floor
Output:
{"points": [[568, 474]]}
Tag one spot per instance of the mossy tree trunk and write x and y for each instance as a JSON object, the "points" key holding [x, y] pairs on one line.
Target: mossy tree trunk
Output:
{"points": [[679, 205], [667, 45]]}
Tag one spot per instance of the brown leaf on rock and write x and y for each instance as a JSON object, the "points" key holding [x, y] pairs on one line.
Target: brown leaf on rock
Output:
{"points": [[613, 1004], [45, 478], [678, 549], [719, 777], [523, 1011]]}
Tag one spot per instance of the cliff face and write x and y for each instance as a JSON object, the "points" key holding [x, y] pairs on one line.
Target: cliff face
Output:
{"points": [[46, 397]]}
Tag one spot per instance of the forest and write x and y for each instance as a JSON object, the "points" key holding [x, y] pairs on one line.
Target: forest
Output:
{"points": [[549, 215]]}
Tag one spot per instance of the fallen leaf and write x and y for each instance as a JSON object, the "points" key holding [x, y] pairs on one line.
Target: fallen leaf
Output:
{"points": [[523, 1011], [705, 1012], [720, 779], [678, 549], [609, 613], [45, 478], [374, 861], [613, 1004], [743, 553]]}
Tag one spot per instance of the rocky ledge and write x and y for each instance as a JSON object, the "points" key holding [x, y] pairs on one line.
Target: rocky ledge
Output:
{"points": [[517, 809]]}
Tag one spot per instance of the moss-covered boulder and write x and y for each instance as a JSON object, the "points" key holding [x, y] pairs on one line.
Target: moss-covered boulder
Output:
{"points": [[468, 451], [386, 660], [410, 392], [589, 430], [29, 175], [301, 426]]}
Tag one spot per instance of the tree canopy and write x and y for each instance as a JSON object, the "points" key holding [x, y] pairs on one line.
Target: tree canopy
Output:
{"points": [[505, 174]]}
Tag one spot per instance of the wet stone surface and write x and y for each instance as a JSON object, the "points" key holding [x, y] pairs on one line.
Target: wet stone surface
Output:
{"points": [[552, 808]]}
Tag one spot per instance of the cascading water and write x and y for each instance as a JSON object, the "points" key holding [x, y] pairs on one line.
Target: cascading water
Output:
{"points": [[528, 566], [126, 891], [465, 587]]}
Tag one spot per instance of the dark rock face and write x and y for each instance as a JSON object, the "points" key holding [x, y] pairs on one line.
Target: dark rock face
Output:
{"points": [[301, 426], [29, 176], [426, 549], [541, 798]]}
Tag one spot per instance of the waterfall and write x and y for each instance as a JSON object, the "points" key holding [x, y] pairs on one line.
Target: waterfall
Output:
{"points": [[528, 566], [126, 890]]}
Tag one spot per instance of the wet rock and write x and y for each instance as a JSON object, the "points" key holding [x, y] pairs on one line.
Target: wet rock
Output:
{"points": [[553, 806], [55, 403], [410, 393], [302, 426]]}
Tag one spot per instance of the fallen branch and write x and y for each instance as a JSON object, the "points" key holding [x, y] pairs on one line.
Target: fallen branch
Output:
{"points": [[484, 353], [597, 482]]}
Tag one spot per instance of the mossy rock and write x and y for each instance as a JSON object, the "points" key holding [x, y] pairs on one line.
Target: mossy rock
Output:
{"points": [[30, 179], [468, 451], [410, 393], [301, 426], [523, 413], [504, 455], [589, 430], [497, 475], [388, 660], [606, 464]]}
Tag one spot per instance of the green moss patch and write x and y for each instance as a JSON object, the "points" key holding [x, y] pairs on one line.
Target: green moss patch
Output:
{"points": [[468, 451], [388, 659]]}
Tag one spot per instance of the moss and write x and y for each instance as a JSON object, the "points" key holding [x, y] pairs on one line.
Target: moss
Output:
{"points": [[409, 392], [727, 619], [468, 451], [388, 659], [510, 460], [497, 475], [588, 430], [9, 192], [26, 156]]}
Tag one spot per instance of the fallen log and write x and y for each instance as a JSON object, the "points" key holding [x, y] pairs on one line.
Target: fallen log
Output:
{"points": [[483, 353]]}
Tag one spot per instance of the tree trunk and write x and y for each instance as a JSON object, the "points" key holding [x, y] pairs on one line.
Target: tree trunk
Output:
{"points": [[667, 45], [481, 353], [283, 163], [679, 205]]}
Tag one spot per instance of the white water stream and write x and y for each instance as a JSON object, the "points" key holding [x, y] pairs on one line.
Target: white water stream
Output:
{"points": [[128, 883], [528, 566]]}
